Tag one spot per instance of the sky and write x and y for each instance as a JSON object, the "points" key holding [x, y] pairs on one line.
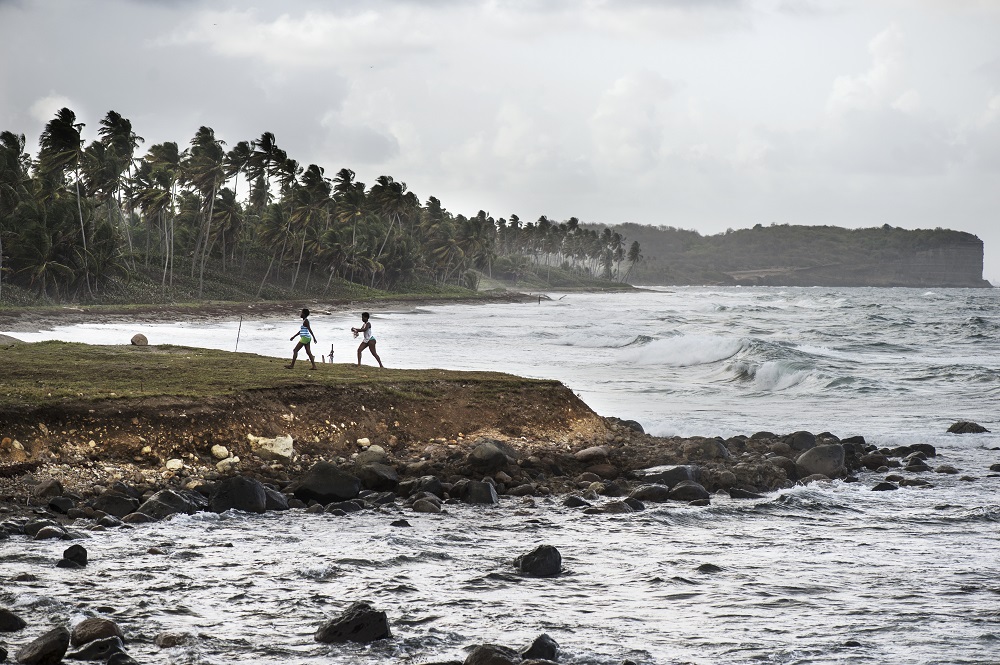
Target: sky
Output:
{"points": [[697, 114]]}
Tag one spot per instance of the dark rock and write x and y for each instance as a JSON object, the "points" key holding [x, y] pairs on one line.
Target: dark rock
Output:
{"points": [[326, 483], [655, 493], [99, 649], [573, 501], [358, 623], [3, 655], [32, 528], [10, 622], [669, 475], [51, 532], [592, 455], [688, 490], [492, 654], [706, 449], [946, 468], [874, 461], [238, 493], [402, 523], [68, 564], [709, 568], [167, 640], [800, 441], [737, 493], [48, 649], [138, 518], [786, 465], [61, 504], [167, 502], [605, 471], [885, 487], [827, 459], [377, 476], [543, 647], [916, 466], [994, 467], [422, 484], [76, 553], [139, 339], [927, 449], [614, 508], [275, 500], [345, 507], [480, 492], [543, 561], [487, 457], [913, 482], [47, 489], [121, 659], [95, 628], [115, 503], [966, 427], [633, 425], [634, 504], [426, 506], [858, 440]]}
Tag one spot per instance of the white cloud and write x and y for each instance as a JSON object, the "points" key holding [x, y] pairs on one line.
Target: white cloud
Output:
{"points": [[882, 82], [45, 109], [628, 124]]}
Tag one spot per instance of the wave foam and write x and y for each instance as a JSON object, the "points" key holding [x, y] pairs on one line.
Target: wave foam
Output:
{"points": [[688, 350]]}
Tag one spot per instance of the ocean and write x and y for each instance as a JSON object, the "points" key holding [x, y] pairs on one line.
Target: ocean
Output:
{"points": [[825, 573]]}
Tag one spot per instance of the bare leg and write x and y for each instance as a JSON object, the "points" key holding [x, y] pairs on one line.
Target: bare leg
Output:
{"points": [[360, 349], [310, 354], [371, 347], [295, 354]]}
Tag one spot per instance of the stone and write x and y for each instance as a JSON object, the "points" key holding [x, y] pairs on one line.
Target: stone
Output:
{"points": [[275, 500], [688, 490], [543, 561], [426, 506], [48, 649], [228, 465], [371, 455], [487, 457], [358, 623], [591, 455], [814, 478], [10, 622], [99, 649], [280, 448], [874, 461], [76, 554], [115, 503], [800, 441], [884, 487], [706, 449], [220, 452], [139, 340], [121, 659], [61, 504], [480, 492], [326, 483], [966, 427], [238, 493], [168, 640], [51, 532], [827, 459], [94, 628], [174, 464], [655, 493], [413, 486], [605, 471], [946, 468], [616, 508], [167, 502], [669, 475], [573, 501], [492, 654], [47, 489], [377, 476]]}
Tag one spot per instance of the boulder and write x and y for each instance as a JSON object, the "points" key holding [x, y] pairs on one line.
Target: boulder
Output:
{"points": [[785, 464], [884, 487], [487, 457], [47, 489], [220, 452], [688, 490], [61, 504], [543, 561], [800, 441], [827, 459], [655, 493], [669, 475], [48, 649], [139, 340], [480, 492], [280, 448], [238, 493], [358, 623], [99, 649], [413, 486], [371, 455], [94, 628], [605, 471], [573, 501], [275, 500], [591, 455], [377, 476], [115, 503], [167, 502], [874, 461], [966, 427], [492, 654], [168, 640], [706, 449], [77, 554], [946, 468], [326, 483], [426, 506], [121, 659], [10, 622]]}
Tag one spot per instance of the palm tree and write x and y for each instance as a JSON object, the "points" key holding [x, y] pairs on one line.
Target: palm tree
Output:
{"points": [[204, 169], [61, 150], [634, 257], [310, 204], [14, 164], [158, 197], [117, 136]]}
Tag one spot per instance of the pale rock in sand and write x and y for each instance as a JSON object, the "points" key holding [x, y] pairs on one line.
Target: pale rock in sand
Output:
{"points": [[220, 452], [280, 448], [174, 464]]}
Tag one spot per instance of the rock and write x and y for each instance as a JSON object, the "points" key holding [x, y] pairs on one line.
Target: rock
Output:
{"points": [[371, 455], [275, 500], [326, 483], [605, 471], [115, 503], [706, 449], [591, 455], [480, 492], [139, 340], [738, 493], [238, 493], [966, 427], [400, 523], [47, 489], [228, 465], [884, 487], [121, 659], [100, 649], [48, 649], [364, 442], [785, 464], [800, 441], [927, 449], [220, 452], [814, 478], [688, 490], [656, 493], [413, 486], [61, 504], [76, 554], [874, 461], [826, 459], [95, 628], [426, 506], [616, 508], [492, 654], [358, 623], [946, 468], [574, 501], [280, 448], [669, 475], [377, 476], [169, 501], [174, 464], [3, 652], [51, 532], [167, 640], [543, 561], [10, 622], [487, 457]]}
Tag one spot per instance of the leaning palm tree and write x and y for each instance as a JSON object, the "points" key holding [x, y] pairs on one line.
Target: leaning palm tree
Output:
{"points": [[204, 169], [121, 142], [14, 164]]}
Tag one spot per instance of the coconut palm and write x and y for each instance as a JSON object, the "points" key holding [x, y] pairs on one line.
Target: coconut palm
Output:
{"points": [[204, 169]]}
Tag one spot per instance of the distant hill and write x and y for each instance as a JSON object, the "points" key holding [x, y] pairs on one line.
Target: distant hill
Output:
{"points": [[785, 255]]}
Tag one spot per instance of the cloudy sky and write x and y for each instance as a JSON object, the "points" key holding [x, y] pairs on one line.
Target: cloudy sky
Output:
{"points": [[699, 114]]}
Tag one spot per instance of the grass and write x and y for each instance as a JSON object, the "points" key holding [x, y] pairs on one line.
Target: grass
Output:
{"points": [[51, 373]]}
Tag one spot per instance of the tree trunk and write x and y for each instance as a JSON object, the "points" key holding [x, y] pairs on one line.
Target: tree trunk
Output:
{"points": [[204, 253]]}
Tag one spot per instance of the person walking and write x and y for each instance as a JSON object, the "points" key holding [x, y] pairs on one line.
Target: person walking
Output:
{"points": [[369, 339], [306, 338]]}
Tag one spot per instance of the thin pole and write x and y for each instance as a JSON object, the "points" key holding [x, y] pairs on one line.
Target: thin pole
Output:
{"points": [[238, 334]]}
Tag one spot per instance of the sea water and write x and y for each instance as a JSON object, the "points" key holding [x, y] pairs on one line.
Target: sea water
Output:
{"points": [[828, 573]]}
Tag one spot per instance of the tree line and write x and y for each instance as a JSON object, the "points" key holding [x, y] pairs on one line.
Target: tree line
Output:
{"points": [[78, 216]]}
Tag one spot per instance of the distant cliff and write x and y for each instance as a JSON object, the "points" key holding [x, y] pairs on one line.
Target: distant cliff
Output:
{"points": [[784, 255]]}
